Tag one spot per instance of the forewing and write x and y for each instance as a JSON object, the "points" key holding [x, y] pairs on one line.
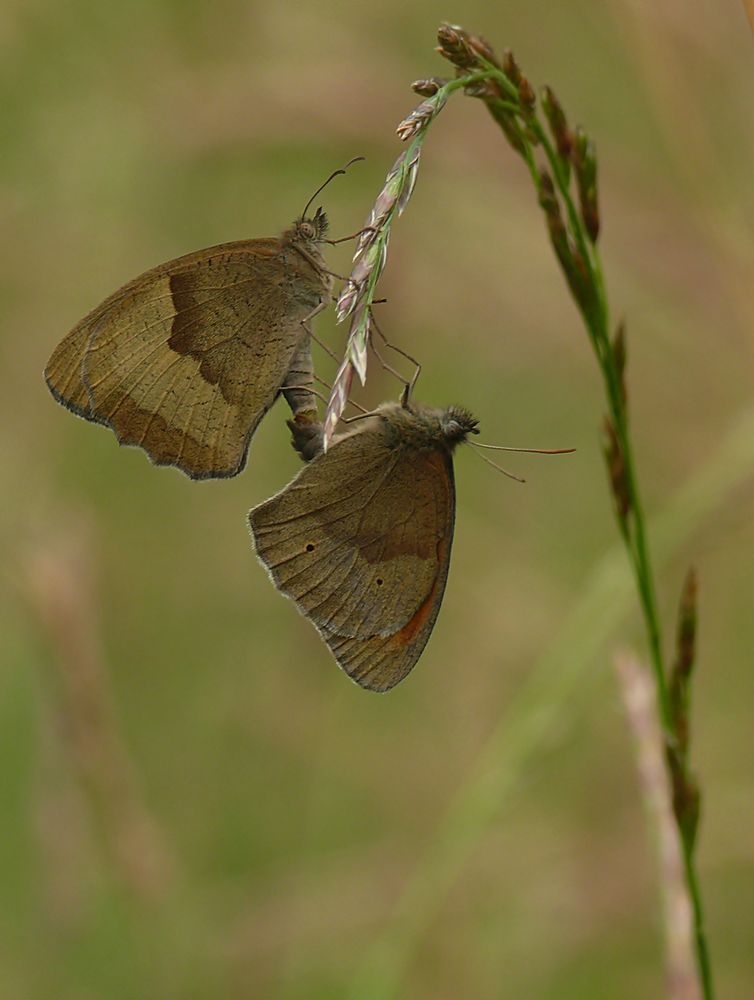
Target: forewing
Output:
{"points": [[186, 360], [360, 540], [63, 372]]}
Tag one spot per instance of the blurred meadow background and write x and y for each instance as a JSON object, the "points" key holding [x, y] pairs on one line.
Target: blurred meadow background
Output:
{"points": [[195, 802]]}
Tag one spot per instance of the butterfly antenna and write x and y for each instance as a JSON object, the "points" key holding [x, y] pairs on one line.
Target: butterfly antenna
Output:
{"points": [[494, 465], [332, 176], [527, 451]]}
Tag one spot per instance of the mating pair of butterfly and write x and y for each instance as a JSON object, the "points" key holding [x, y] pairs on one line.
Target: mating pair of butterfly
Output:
{"points": [[184, 362]]}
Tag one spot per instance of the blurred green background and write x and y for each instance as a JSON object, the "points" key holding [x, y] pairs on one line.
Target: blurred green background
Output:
{"points": [[195, 802]]}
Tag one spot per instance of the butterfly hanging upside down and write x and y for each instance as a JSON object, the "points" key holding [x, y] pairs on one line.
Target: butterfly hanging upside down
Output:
{"points": [[361, 538]]}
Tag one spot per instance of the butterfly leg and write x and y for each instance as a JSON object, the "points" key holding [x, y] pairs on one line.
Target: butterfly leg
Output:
{"points": [[389, 368], [324, 347], [333, 274], [316, 264], [324, 399], [299, 388], [353, 236], [358, 288], [351, 420], [306, 323], [409, 384]]}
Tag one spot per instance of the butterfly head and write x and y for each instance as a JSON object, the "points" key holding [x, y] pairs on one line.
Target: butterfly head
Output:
{"points": [[310, 230], [456, 424], [313, 229]]}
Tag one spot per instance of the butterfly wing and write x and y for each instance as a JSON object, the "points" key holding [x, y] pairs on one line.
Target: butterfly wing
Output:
{"points": [[63, 372], [185, 361], [361, 541]]}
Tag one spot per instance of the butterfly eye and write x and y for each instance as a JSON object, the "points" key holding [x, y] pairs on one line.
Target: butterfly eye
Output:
{"points": [[452, 428], [306, 230]]}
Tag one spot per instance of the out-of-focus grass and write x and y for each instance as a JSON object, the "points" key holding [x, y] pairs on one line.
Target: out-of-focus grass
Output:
{"points": [[295, 807]]}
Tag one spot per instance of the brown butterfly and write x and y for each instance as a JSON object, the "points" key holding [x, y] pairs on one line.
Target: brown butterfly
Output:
{"points": [[361, 538], [185, 360]]}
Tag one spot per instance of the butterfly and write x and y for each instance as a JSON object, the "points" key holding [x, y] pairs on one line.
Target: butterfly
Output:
{"points": [[186, 359], [361, 538]]}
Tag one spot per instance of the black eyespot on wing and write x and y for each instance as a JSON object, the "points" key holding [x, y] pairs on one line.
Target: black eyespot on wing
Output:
{"points": [[310, 547]]}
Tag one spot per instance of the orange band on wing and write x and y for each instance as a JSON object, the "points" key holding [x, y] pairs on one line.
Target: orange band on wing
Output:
{"points": [[408, 633]]}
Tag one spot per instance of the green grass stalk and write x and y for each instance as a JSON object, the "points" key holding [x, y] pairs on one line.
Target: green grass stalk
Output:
{"points": [[540, 132]]}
